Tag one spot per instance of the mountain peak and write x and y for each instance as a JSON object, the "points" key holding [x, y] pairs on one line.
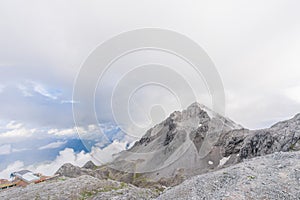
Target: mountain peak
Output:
{"points": [[185, 135], [89, 165], [69, 170], [197, 140]]}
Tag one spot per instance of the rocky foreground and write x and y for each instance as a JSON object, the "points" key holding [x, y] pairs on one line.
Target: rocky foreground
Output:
{"points": [[83, 187], [275, 176]]}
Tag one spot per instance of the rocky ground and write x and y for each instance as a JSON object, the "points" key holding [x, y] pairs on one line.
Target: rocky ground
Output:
{"points": [[275, 176], [80, 188]]}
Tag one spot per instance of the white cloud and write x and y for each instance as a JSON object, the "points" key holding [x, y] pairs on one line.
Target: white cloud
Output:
{"points": [[20, 132], [19, 150], [294, 93], [105, 127], [89, 132], [43, 91], [14, 132], [2, 87], [14, 125], [25, 90], [16, 166], [98, 156], [244, 41], [53, 145], [72, 131], [62, 132], [29, 87], [5, 149], [69, 102], [106, 154]]}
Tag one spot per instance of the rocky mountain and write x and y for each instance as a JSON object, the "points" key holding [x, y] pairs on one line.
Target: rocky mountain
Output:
{"points": [[183, 143], [209, 153], [198, 140], [192, 142]]}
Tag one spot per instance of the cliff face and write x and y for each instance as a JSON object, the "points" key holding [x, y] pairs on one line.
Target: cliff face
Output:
{"points": [[244, 144]]}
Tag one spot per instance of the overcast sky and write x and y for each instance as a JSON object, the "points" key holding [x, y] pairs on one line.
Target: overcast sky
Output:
{"points": [[254, 44]]}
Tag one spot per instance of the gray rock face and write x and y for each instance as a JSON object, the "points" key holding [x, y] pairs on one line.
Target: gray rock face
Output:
{"points": [[245, 144], [70, 171], [89, 165], [260, 143], [275, 176]]}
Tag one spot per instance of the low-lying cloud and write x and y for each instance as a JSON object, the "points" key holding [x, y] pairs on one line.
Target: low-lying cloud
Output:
{"points": [[53, 145], [97, 155]]}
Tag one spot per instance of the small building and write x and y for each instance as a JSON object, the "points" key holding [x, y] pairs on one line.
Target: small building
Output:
{"points": [[24, 177]]}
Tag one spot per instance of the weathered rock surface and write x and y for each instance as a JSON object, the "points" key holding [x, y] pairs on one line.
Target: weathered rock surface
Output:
{"points": [[244, 144], [89, 165], [70, 171], [275, 176], [83, 187]]}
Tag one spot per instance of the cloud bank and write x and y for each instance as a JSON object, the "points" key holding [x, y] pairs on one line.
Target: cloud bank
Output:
{"points": [[97, 155]]}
